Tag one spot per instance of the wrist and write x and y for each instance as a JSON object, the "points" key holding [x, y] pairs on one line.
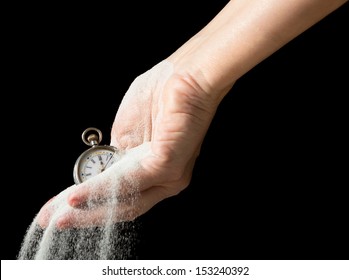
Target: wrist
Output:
{"points": [[242, 35], [194, 61]]}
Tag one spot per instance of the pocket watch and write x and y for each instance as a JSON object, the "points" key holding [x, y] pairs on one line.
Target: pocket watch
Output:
{"points": [[95, 159]]}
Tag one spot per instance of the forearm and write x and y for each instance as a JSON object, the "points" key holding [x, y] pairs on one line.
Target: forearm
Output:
{"points": [[243, 34]]}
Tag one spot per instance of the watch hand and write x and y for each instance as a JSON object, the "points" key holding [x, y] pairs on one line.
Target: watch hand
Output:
{"points": [[108, 162], [101, 166]]}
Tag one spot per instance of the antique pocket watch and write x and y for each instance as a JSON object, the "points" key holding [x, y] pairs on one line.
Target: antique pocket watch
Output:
{"points": [[94, 160]]}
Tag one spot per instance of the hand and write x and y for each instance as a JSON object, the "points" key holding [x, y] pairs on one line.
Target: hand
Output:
{"points": [[166, 112], [158, 128]]}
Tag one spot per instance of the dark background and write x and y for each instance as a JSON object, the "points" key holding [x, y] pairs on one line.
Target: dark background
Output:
{"points": [[271, 178]]}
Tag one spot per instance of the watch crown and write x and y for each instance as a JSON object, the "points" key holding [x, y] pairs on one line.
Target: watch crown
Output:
{"points": [[93, 139]]}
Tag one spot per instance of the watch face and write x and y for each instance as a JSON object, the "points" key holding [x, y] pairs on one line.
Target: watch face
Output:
{"points": [[93, 161]]}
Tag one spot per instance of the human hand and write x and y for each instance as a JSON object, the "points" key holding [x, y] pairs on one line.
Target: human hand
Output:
{"points": [[167, 110], [158, 129]]}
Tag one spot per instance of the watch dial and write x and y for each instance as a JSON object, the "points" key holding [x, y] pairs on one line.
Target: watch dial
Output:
{"points": [[95, 162]]}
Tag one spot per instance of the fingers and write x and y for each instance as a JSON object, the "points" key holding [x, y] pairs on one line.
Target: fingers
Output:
{"points": [[123, 192], [45, 214], [54, 207], [103, 189], [107, 213], [100, 214], [77, 218]]}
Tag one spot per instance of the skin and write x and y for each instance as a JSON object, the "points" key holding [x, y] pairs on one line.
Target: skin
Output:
{"points": [[172, 105]]}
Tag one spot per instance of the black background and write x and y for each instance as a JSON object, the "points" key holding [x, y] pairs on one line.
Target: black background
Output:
{"points": [[271, 179]]}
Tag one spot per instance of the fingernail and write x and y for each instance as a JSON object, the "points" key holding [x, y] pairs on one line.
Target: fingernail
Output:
{"points": [[73, 200]]}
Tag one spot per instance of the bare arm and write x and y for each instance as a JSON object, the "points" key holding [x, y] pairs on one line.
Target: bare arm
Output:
{"points": [[243, 34], [170, 107]]}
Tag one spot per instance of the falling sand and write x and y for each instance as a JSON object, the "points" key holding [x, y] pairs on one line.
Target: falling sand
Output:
{"points": [[108, 240]]}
